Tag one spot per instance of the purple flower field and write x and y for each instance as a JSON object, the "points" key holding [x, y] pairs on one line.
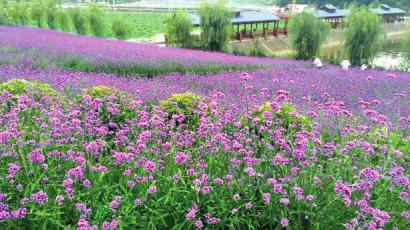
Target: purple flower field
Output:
{"points": [[288, 146], [389, 91], [103, 50]]}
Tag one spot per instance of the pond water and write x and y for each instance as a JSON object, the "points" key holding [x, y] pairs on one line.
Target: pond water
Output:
{"points": [[394, 55]]}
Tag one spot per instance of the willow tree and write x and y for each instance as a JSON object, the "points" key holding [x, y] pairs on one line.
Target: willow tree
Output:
{"points": [[307, 34], [178, 29], [64, 21], [38, 12], [364, 35], [18, 13], [215, 22], [97, 19], [80, 20], [51, 14], [3, 15], [121, 29]]}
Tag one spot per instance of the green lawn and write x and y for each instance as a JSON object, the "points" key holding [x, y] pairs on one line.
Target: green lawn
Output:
{"points": [[144, 24]]}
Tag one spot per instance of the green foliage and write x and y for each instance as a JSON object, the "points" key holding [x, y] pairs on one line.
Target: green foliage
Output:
{"points": [[102, 91], [257, 52], [107, 96], [63, 20], [121, 29], [215, 25], [238, 52], [185, 104], [80, 20], [286, 115], [12, 13], [363, 36], [97, 20], [307, 35], [38, 12], [3, 16], [24, 14], [180, 103], [79, 64], [51, 14], [74, 63], [144, 24], [36, 90], [333, 55], [406, 43], [178, 29], [18, 13]]}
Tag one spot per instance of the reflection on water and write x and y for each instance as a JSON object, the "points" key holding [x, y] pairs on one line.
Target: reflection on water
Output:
{"points": [[392, 60], [393, 56]]}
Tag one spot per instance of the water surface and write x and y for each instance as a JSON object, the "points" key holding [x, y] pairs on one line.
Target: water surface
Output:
{"points": [[394, 55]]}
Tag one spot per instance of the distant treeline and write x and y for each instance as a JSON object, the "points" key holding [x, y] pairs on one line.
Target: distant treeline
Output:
{"points": [[403, 4]]}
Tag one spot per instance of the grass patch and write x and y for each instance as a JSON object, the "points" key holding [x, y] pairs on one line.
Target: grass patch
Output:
{"points": [[45, 59], [78, 64]]}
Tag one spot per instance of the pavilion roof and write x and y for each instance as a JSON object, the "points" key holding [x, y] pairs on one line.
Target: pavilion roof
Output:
{"points": [[387, 11], [243, 17], [332, 12], [329, 11], [337, 13]]}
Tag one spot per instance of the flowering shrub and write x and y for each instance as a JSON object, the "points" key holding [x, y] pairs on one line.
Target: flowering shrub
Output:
{"points": [[34, 89], [70, 167], [283, 115], [112, 105], [184, 108], [103, 91]]}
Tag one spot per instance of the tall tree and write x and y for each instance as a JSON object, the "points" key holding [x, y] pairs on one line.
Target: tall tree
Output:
{"points": [[178, 29], [363, 36], [308, 34], [38, 12], [97, 19], [215, 24]]}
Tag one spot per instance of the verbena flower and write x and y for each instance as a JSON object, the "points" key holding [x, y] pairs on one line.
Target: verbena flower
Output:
{"points": [[284, 222], [39, 197]]}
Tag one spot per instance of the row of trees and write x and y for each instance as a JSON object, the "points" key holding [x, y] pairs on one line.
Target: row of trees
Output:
{"points": [[49, 14], [364, 32], [364, 35]]}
